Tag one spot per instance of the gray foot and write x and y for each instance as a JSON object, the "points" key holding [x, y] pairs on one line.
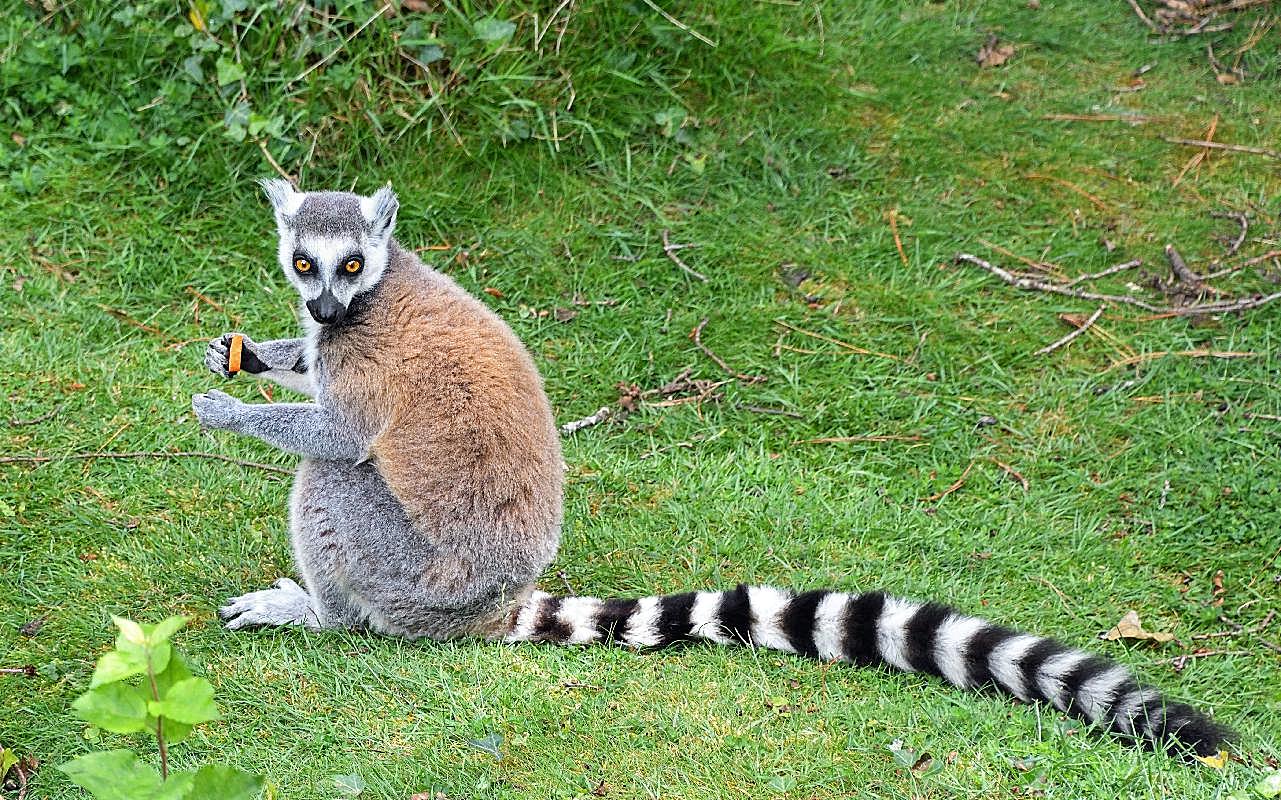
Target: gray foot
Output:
{"points": [[286, 603]]}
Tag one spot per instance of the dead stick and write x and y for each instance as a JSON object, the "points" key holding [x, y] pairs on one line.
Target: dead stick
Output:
{"points": [[18, 423], [1240, 219], [1234, 148], [144, 454], [1034, 285], [898, 242], [1013, 473], [1180, 268], [1094, 276], [1132, 360], [570, 428], [867, 438], [1139, 12], [697, 336], [956, 485], [1050, 348], [670, 250], [852, 348]]}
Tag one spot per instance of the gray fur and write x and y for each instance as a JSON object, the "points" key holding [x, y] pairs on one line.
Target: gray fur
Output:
{"points": [[307, 429]]}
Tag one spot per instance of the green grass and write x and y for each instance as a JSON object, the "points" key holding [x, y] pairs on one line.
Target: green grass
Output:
{"points": [[797, 139]]}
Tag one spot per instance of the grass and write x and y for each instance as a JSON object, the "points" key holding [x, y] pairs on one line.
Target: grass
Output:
{"points": [[782, 148]]}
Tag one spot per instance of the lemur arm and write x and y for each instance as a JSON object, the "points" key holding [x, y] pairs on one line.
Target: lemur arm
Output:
{"points": [[281, 361], [307, 429]]}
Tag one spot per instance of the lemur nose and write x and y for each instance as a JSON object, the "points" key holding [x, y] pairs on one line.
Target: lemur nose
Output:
{"points": [[326, 309]]}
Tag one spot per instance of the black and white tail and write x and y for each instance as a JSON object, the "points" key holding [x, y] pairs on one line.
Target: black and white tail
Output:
{"points": [[877, 629]]}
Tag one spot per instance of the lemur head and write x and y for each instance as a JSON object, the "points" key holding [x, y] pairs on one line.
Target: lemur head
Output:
{"points": [[333, 245]]}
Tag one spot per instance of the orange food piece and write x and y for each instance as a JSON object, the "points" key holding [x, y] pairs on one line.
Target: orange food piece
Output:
{"points": [[233, 353]]}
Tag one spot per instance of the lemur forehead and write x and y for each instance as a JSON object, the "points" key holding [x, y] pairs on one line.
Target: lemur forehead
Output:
{"points": [[330, 215]]}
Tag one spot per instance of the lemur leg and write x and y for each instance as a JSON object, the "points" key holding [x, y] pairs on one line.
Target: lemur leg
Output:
{"points": [[366, 565], [308, 429], [281, 361]]}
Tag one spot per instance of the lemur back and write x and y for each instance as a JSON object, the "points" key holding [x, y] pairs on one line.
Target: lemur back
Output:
{"points": [[461, 430], [428, 501]]}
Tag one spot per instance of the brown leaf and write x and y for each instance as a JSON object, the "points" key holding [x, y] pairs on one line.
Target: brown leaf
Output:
{"points": [[993, 53], [415, 5], [492, 292], [564, 314], [1130, 628], [1218, 589]]}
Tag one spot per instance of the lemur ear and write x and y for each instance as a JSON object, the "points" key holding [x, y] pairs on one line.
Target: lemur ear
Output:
{"points": [[380, 212], [282, 196]]}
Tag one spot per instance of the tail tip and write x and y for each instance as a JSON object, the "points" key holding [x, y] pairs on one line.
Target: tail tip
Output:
{"points": [[1188, 733]]}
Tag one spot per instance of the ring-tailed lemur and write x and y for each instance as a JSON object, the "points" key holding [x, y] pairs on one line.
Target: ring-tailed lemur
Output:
{"points": [[428, 500]]}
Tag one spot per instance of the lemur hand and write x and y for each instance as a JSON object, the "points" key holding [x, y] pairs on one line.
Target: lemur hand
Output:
{"points": [[216, 356], [217, 409]]}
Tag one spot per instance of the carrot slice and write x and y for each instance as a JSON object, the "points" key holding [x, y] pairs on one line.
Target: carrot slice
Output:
{"points": [[233, 353]]}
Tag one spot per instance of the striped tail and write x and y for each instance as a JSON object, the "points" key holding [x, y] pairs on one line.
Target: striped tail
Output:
{"points": [[877, 629]]}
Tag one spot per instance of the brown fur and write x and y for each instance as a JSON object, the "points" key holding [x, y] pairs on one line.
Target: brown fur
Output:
{"points": [[463, 434]]}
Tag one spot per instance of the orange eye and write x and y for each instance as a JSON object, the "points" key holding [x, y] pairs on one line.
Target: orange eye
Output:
{"points": [[352, 266], [302, 264]]}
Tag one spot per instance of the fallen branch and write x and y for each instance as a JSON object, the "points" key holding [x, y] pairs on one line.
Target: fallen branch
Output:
{"points": [[852, 348], [1036, 285], [670, 249], [1139, 13], [878, 437], [697, 336], [1240, 219], [570, 428], [1094, 276], [18, 423], [898, 242], [934, 498], [1180, 268], [1233, 148], [1142, 357], [1050, 348], [1013, 473], [144, 454]]}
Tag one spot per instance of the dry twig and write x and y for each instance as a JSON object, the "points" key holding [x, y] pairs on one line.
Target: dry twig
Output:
{"points": [[1233, 148], [877, 437], [570, 428], [1037, 285], [19, 423], [1094, 276], [1139, 12], [1085, 326], [1142, 357], [898, 242], [934, 498], [144, 454], [1013, 473], [697, 336], [850, 347], [670, 249]]}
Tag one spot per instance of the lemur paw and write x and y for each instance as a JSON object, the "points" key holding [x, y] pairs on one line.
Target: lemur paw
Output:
{"points": [[217, 409], [286, 603], [217, 354]]}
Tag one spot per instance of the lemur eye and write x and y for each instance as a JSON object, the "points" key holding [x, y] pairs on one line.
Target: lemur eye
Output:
{"points": [[352, 266], [301, 264]]}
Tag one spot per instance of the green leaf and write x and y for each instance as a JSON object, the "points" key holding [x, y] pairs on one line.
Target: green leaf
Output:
{"points": [[113, 775], [116, 707], [163, 630], [7, 760], [175, 672], [177, 787], [1270, 786], [350, 785], [191, 66], [493, 30], [228, 71], [116, 666], [130, 631], [492, 744], [781, 783], [189, 701], [221, 782]]}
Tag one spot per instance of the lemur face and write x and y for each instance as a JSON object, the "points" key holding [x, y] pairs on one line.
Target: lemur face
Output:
{"points": [[333, 245]]}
